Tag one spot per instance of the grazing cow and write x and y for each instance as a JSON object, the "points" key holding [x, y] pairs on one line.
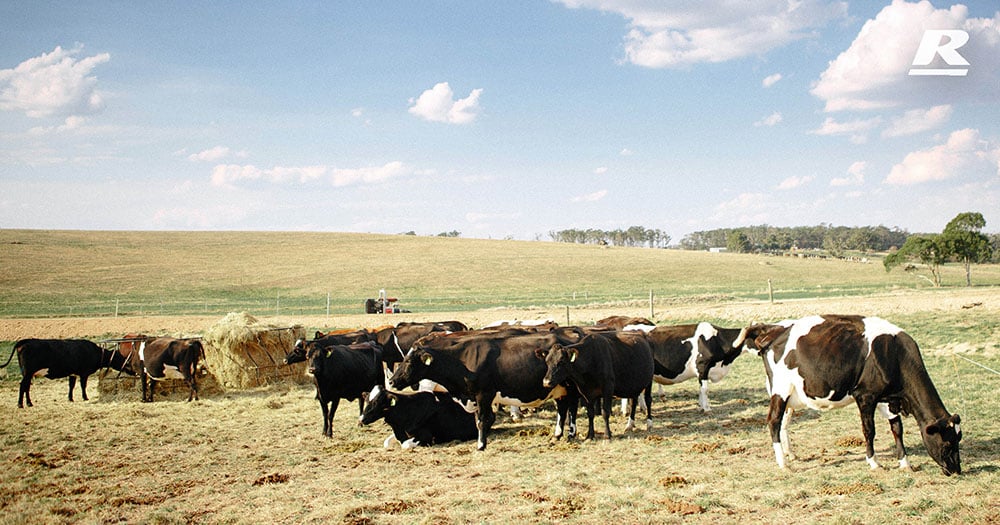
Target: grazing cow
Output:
{"points": [[421, 419], [830, 361], [602, 366], [343, 372], [698, 350], [55, 358], [168, 358], [484, 366]]}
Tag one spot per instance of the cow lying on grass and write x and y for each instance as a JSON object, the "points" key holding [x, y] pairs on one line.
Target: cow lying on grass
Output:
{"points": [[420, 419]]}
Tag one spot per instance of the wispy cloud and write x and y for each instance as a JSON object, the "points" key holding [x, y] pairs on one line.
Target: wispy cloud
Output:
{"points": [[231, 174], [590, 197], [963, 154], [771, 120], [771, 80], [918, 120]]}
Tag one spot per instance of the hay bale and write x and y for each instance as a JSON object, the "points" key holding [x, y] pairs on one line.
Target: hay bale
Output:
{"points": [[242, 353]]}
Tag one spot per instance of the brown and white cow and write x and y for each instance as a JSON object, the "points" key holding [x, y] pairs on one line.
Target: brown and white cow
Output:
{"points": [[169, 358], [831, 361]]}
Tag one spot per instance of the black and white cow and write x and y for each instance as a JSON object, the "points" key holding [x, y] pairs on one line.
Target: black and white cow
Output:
{"points": [[343, 372], [484, 367], [602, 366], [56, 358], [168, 358], [702, 351], [831, 361], [420, 419]]}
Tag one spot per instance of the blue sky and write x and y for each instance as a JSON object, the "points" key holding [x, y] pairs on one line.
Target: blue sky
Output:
{"points": [[494, 119]]}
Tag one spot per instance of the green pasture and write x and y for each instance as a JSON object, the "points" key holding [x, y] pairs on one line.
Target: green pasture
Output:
{"points": [[83, 273]]}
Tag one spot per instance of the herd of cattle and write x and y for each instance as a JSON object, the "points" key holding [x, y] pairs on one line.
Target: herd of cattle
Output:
{"points": [[439, 382]]}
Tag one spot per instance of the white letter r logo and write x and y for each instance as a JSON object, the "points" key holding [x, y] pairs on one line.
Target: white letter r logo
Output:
{"points": [[931, 45]]}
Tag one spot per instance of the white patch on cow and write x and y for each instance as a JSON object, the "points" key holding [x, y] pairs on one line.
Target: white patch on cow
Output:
{"points": [[630, 425], [904, 464], [875, 327], [410, 444], [690, 367], [142, 351], [787, 383], [427, 385], [872, 464], [390, 442], [375, 391], [717, 372], [883, 409], [468, 406], [170, 372], [515, 412], [638, 328]]}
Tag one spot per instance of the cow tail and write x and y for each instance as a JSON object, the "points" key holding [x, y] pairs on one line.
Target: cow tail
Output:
{"points": [[11, 357]]}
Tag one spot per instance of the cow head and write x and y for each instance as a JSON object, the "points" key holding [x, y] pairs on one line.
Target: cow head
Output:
{"points": [[411, 369], [315, 356], [760, 337], [377, 407], [558, 359], [941, 439], [298, 353]]}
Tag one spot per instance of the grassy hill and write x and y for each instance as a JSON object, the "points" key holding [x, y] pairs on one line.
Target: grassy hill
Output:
{"points": [[45, 273]]}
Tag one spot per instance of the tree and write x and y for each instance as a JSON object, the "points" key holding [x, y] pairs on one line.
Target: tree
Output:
{"points": [[738, 242], [963, 238], [928, 249]]}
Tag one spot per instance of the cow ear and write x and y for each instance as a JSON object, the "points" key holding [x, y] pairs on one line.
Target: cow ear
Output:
{"points": [[541, 353], [768, 336], [573, 352], [932, 429], [427, 359], [955, 419]]}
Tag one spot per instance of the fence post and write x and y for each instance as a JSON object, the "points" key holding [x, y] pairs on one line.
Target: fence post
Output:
{"points": [[567, 315], [327, 304], [770, 292], [650, 304], [116, 307]]}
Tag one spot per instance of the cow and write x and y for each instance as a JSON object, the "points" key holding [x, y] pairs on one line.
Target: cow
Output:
{"points": [[830, 361], [169, 358], [56, 358], [601, 366], [700, 350], [343, 372], [341, 337], [403, 335], [620, 322], [480, 366], [420, 419]]}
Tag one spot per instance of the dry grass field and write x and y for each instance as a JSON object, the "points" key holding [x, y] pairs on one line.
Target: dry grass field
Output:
{"points": [[258, 456]]}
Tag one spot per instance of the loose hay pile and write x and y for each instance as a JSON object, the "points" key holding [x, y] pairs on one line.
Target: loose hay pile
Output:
{"points": [[242, 353]]}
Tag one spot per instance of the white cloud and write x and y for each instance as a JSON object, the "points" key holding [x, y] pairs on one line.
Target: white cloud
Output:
{"points": [[771, 80], [625, 152], [770, 120], [963, 154], [229, 174], [590, 197], [601, 170], [676, 34], [745, 208], [857, 128], [53, 84], [855, 175], [872, 72], [72, 123], [210, 155], [794, 182], [918, 120], [438, 104]]}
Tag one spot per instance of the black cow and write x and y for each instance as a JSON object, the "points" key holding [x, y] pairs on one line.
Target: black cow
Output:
{"points": [[483, 367], [343, 372], [401, 337], [55, 358], [420, 419], [698, 350], [345, 338], [830, 361], [168, 358], [602, 366]]}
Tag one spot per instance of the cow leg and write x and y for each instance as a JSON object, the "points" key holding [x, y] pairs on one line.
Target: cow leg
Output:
{"points": [[591, 408], [361, 408], [484, 419], [703, 396], [83, 388], [896, 426], [24, 393], [647, 395], [562, 407], [328, 414], [775, 418], [145, 380], [631, 404], [193, 385], [608, 401], [72, 384], [867, 411]]}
